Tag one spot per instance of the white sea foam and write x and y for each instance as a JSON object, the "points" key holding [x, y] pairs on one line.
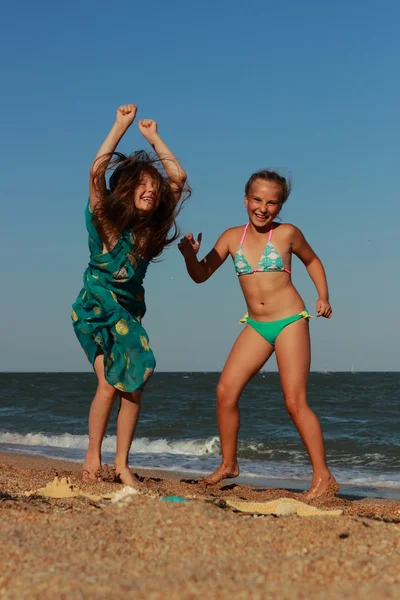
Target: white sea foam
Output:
{"points": [[209, 446]]}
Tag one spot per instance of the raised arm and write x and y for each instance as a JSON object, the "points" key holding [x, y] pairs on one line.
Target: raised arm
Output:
{"points": [[175, 172], [125, 116], [202, 270], [315, 269]]}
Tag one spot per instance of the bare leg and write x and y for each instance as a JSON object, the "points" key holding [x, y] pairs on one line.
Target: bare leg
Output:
{"points": [[99, 416], [128, 416], [249, 353], [293, 356]]}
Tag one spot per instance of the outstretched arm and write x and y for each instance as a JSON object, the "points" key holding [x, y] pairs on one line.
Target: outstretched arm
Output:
{"points": [[316, 271], [125, 116], [175, 172], [202, 270]]}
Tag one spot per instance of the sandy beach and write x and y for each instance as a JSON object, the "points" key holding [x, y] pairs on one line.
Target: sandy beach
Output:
{"points": [[216, 544]]}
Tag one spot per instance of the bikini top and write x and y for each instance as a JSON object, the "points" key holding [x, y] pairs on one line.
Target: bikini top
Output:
{"points": [[270, 260]]}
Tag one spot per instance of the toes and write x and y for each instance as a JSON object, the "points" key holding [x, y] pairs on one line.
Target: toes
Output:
{"points": [[91, 476]]}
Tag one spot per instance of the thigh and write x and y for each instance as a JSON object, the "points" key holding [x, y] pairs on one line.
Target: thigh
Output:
{"points": [[293, 355], [103, 384], [250, 352], [131, 397]]}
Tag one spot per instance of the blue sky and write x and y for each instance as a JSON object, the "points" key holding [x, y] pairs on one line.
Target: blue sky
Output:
{"points": [[309, 87]]}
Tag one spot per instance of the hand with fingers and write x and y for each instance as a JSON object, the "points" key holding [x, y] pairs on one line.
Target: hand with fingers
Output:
{"points": [[188, 246], [148, 128], [323, 308], [126, 115]]}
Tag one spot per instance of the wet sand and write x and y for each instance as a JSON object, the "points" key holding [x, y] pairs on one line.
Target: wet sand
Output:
{"points": [[144, 547]]}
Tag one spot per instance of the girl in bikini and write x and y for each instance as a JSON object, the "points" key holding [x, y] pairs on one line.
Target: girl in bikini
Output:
{"points": [[277, 320], [129, 225]]}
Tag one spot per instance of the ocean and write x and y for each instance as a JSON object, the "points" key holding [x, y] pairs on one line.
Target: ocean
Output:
{"points": [[45, 414]]}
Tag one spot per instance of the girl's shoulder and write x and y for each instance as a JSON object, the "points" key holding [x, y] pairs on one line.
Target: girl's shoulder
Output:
{"points": [[233, 231], [286, 230], [233, 235]]}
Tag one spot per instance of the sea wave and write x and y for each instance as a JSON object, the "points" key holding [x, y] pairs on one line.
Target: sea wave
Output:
{"points": [[262, 452], [191, 447]]}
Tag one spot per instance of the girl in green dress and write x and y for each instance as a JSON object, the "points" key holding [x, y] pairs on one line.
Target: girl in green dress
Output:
{"points": [[129, 225]]}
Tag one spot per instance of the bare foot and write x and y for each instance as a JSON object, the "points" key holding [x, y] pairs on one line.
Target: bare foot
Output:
{"points": [[125, 475], [221, 473], [108, 474], [91, 472], [326, 487]]}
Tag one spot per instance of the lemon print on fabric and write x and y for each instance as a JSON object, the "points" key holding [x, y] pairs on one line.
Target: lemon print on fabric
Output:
{"points": [[114, 296], [74, 316], [84, 295], [145, 342], [109, 361], [120, 386], [95, 276], [97, 310], [147, 374], [121, 274], [103, 265], [127, 362], [122, 327]]}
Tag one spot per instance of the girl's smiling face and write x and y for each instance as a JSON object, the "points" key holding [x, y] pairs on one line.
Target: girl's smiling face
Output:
{"points": [[146, 195], [263, 202]]}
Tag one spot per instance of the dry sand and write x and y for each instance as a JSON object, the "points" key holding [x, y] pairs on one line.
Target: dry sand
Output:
{"points": [[143, 547]]}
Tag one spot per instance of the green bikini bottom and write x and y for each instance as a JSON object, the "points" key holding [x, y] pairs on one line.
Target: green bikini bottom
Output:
{"points": [[271, 329]]}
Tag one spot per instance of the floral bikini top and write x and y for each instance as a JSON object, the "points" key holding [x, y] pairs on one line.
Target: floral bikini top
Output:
{"points": [[270, 260]]}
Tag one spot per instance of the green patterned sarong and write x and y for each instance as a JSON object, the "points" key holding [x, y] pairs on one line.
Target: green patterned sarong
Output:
{"points": [[108, 311]]}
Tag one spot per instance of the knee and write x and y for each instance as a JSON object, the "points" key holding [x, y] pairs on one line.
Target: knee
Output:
{"points": [[106, 391], [295, 404], [226, 397]]}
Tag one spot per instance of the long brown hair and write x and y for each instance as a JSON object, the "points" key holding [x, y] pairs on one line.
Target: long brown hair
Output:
{"points": [[116, 210]]}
